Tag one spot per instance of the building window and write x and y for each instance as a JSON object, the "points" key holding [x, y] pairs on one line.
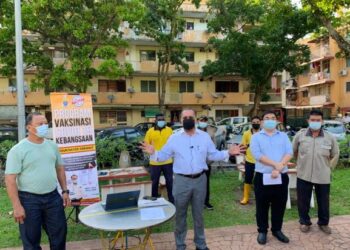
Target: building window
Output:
{"points": [[190, 25], [348, 62], [189, 56], [305, 94], [186, 86], [147, 55], [111, 86], [113, 116], [148, 86], [348, 87], [226, 86]]}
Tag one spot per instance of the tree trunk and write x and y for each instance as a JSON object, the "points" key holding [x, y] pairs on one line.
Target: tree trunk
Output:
{"points": [[257, 100], [159, 85], [343, 44]]}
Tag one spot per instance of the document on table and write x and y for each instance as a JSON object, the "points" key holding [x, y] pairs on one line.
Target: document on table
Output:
{"points": [[268, 180], [152, 213]]}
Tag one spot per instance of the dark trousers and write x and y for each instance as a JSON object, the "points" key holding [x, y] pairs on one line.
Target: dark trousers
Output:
{"points": [[304, 192], [45, 211], [207, 196], [167, 170], [249, 172], [270, 195]]}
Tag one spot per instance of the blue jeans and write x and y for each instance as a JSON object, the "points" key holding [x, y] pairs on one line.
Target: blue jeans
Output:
{"points": [[45, 211]]}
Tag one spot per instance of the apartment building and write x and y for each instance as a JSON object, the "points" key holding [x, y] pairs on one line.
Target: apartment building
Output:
{"points": [[134, 99], [324, 85]]}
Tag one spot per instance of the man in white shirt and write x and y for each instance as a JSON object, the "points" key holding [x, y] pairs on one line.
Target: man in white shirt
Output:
{"points": [[190, 150]]}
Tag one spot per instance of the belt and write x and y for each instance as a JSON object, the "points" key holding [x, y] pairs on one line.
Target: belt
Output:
{"points": [[192, 176]]}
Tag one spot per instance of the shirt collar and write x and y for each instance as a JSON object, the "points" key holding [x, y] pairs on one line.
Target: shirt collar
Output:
{"points": [[196, 131], [262, 131], [309, 133]]}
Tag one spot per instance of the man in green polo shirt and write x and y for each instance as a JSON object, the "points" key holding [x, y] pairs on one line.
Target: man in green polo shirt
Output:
{"points": [[33, 167]]}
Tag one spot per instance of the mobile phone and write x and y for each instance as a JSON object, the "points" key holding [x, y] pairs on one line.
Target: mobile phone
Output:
{"points": [[149, 198]]}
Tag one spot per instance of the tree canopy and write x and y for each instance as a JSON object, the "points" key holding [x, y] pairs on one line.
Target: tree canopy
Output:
{"points": [[164, 22], [334, 16], [84, 30], [260, 39]]}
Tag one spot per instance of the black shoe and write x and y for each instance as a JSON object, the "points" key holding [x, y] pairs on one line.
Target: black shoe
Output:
{"points": [[202, 248], [280, 236], [262, 237], [208, 206]]}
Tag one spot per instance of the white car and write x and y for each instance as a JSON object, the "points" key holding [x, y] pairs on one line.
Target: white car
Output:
{"points": [[233, 121], [220, 135], [336, 128]]}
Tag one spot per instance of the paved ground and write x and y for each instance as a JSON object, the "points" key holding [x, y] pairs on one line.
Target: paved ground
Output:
{"points": [[244, 237]]}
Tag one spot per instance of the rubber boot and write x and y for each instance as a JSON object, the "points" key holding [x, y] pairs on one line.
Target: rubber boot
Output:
{"points": [[246, 193]]}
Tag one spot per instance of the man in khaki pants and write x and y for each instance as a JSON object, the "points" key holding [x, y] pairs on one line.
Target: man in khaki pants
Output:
{"points": [[316, 152]]}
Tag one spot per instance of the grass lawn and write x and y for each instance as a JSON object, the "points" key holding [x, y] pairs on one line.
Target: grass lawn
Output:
{"points": [[225, 195]]}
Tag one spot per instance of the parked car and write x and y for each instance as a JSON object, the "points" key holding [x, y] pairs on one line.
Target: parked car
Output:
{"points": [[8, 132], [336, 128], [236, 137], [230, 123], [143, 127], [131, 135], [219, 138]]}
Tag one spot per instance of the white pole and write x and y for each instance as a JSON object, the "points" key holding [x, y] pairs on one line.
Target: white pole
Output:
{"points": [[19, 72]]}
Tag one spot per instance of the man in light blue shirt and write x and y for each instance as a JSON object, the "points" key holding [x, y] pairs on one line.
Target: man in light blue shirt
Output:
{"points": [[190, 150], [272, 151]]}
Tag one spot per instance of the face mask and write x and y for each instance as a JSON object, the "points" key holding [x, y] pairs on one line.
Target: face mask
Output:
{"points": [[160, 124], [202, 124], [256, 126], [188, 124], [270, 124], [75, 182], [315, 125], [41, 131]]}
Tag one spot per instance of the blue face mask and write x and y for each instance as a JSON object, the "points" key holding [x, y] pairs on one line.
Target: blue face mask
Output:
{"points": [[41, 131], [202, 124], [160, 124], [270, 124], [315, 125]]}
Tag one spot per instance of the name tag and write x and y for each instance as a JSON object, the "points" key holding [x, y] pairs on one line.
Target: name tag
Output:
{"points": [[268, 180], [326, 147]]}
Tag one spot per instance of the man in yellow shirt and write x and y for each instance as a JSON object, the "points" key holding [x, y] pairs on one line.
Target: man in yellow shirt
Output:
{"points": [[158, 136], [249, 159]]}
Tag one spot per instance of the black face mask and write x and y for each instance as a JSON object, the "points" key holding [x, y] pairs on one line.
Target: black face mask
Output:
{"points": [[256, 126], [188, 124]]}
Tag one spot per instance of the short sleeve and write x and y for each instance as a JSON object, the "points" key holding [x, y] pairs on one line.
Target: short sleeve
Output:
{"points": [[289, 148], [296, 143], [13, 162], [59, 160]]}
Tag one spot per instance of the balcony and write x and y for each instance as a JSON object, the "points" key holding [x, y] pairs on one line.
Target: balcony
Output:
{"points": [[321, 53], [274, 98], [319, 99], [124, 98], [152, 67], [207, 98], [318, 78], [31, 98]]}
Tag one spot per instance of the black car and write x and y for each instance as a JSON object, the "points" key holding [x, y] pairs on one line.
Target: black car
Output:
{"points": [[143, 127], [129, 134], [8, 133]]}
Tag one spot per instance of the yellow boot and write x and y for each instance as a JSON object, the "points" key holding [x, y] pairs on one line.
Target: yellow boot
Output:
{"points": [[246, 193]]}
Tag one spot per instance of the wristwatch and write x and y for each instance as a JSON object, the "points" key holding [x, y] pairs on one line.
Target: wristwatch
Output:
{"points": [[65, 191]]}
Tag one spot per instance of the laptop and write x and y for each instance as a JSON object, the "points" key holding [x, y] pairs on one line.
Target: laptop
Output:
{"points": [[121, 200]]}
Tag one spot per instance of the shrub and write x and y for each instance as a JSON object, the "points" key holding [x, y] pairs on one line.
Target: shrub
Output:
{"points": [[5, 147]]}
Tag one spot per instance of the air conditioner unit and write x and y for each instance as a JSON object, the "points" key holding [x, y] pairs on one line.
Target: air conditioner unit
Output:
{"points": [[198, 95], [131, 90], [214, 95], [343, 72]]}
